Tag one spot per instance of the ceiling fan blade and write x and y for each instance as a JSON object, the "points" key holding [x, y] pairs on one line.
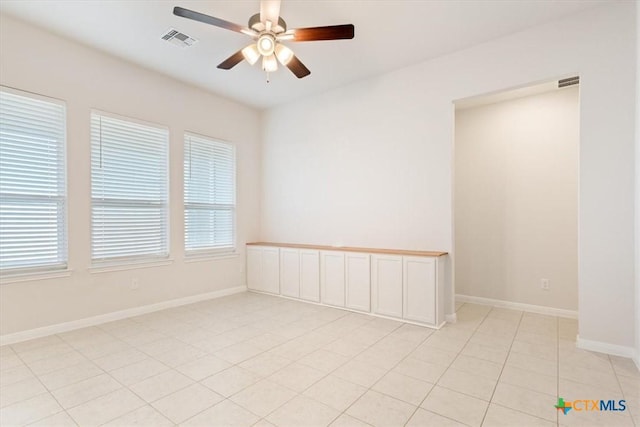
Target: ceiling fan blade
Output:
{"points": [[270, 11], [231, 61], [331, 32], [297, 67], [217, 22]]}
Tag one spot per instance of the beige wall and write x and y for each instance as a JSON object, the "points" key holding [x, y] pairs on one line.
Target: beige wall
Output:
{"points": [[516, 199], [370, 164], [37, 61]]}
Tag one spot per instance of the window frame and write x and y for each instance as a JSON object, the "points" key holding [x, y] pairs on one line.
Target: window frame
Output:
{"points": [[63, 222], [132, 260], [210, 252]]}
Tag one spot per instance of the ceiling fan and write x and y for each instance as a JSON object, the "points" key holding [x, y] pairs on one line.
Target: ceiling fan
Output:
{"points": [[268, 30]]}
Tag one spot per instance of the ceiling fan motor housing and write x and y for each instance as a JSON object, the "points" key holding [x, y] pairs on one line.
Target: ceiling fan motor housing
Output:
{"points": [[259, 26]]}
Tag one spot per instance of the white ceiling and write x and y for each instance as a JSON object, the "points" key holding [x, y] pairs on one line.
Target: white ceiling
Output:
{"points": [[389, 35]]}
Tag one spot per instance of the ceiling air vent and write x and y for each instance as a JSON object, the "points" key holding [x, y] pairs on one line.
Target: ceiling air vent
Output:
{"points": [[570, 81], [177, 38]]}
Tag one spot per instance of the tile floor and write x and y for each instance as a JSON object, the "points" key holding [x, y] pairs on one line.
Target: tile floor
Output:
{"points": [[252, 359]]}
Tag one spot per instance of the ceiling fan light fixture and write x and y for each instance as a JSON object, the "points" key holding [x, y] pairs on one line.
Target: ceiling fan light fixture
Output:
{"points": [[266, 45], [284, 54], [251, 53], [269, 63]]}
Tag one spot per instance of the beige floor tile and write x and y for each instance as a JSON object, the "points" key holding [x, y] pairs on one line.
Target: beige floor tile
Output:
{"points": [[324, 360], [186, 403], [445, 343], [14, 375], [61, 419], [542, 351], [73, 374], [303, 411], [528, 401], [335, 392], [413, 333], [263, 397], [345, 347], [448, 403], [425, 371], [265, 364], [433, 355], [297, 377], [496, 342], [238, 353], [45, 352], [50, 364], [138, 371], [144, 416], [378, 409], [161, 385], [83, 391], [10, 361], [360, 373], [20, 391], [225, 413], [424, 418], [204, 367], [625, 367], [533, 364], [25, 346], [605, 380], [531, 380], [630, 386], [231, 381], [500, 416], [464, 382], [180, 356], [29, 410], [485, 352], [345, 420], [106, 408], [477, 366], [403, 388]]}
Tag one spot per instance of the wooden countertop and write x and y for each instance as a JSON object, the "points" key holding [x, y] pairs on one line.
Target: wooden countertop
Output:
{"points": [[350, 249]]}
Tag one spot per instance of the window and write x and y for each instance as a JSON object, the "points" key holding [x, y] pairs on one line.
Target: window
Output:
{"points": [[128, 190], [33, 229], [209, 195]]}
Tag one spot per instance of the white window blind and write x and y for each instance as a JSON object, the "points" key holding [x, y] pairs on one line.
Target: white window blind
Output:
{"points": [[209, 195], [32, 183], [129, 190]]}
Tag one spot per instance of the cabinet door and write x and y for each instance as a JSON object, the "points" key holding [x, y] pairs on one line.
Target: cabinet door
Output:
{"points": [[271, 270], [420, 289], [310, 275], [358, 281], [387, 285], [332, 278], [254, 267], [290, 272]]}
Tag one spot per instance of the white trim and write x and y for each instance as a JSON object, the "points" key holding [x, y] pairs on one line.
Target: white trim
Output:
{"points": [[604, 347], [210, 257], [107, 268], [451, 318], [636, 359], [540, 309], [28, 277], [116, 315]]}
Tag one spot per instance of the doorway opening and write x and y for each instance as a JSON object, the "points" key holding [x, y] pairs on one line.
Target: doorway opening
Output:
{"points": [[515, 204]]}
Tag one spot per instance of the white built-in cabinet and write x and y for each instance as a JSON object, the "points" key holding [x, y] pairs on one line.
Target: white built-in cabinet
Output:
{"points": [[310, 274], [402, 286], [357, 281], [263, 269], [332, 278], [386, 284]]}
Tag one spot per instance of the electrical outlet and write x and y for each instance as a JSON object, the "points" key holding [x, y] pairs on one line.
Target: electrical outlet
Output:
{"points": [[544, 284], [135, 284]]}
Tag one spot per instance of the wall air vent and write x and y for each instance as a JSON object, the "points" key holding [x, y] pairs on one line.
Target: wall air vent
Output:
{"points": [[177, 38], [570, 81]]}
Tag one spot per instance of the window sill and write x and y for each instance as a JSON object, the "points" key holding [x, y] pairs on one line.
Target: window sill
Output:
{"points": [[27, 277], [209, 257], [123, 266]]}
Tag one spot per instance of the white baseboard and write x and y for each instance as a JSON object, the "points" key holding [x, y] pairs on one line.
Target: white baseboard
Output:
{"points": [[116, 315], [451, 318], [636, 359], [603, 347], [539, 309]]}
